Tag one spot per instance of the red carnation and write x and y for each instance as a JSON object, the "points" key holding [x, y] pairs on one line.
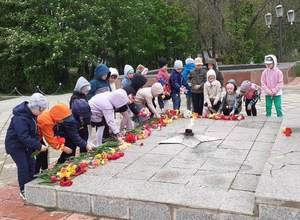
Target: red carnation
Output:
{"points": [[53, 179]]}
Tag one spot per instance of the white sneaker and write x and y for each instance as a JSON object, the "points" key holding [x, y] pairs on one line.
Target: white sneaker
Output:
{"points": [[22, 195]]}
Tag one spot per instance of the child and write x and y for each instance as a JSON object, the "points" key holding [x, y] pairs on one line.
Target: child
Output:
{"points": [[22, 138], [137, 82], [271, 84], [198, 78], [103, 107], [251, 94], [81, 90], [128, 75], [176, 83], [146, 96], [229, 105], [100, 82], [188, 68], [114, 74], [163, 78], [212, 92], [59, 122], [81, 111], [212, 64]]}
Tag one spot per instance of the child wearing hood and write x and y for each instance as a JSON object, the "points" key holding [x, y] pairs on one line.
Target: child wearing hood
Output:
{"points": [[100, 83], [128, 75], [114, 74], [176, 84], [163, 78], [230, 105], [103, 107], [22, 138], [61, 131], [212, 92], [250, 93], [81, 90], [271, 85], [188, 68], [212, 64], [146, 96]]}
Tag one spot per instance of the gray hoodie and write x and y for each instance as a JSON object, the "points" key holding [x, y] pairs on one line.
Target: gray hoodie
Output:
{"points": [[81, 82]]}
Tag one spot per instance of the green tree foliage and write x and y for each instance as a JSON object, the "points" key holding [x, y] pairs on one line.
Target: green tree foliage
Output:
{"points": [[40, 39]]}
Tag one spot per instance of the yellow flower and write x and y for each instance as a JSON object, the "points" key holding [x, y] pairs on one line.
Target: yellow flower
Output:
{"points": [[71, 168], [98, 156], [112, 151], [64, 173]]}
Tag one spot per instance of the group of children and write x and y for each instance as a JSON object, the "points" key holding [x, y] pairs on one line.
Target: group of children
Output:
{"points": [[95, 105], [204, 88]]}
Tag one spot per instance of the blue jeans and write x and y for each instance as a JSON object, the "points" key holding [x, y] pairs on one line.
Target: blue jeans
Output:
{"points": [[176, 101]]}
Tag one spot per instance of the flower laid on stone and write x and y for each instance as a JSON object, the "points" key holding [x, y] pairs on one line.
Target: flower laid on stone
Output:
{"points": [[75, 166], [217, 116], [145, 113], [130, 137], [187, 114], [287, 131]]}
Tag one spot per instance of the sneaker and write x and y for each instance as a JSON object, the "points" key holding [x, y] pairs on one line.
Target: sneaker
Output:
{"points": [[22, 195]]}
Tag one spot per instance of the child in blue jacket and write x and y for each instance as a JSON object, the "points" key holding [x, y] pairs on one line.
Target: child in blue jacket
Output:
{"points": [[176, 83], [188, 68], [100, 83], [22, 138]]}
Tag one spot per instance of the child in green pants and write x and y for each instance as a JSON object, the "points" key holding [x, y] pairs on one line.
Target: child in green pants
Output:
{"points": [[271, 84]]}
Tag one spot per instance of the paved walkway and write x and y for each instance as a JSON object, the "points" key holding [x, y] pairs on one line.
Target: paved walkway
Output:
{"points": [[291, 99]]}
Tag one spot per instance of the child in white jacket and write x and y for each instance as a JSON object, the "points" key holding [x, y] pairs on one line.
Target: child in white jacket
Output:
{"points": [[146, 96], [212, 93]]}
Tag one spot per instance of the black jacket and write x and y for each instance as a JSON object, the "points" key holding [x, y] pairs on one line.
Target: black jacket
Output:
{"points": [[69, 129], [22, 132], [76, 95], [198, 77], [137, 82]]}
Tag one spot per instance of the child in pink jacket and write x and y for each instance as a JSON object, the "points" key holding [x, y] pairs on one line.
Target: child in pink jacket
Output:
{"points": [[103, 108], [271, 85]]}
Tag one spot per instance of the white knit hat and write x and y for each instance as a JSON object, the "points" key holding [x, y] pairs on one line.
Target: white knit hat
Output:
{"points": [[156, 89], [178, 64], [198, 61], [113, 72], [37, 100], [211, 72], [189, 60]]}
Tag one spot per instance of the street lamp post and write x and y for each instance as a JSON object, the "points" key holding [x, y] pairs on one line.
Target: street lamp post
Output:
{"points": [[279, 14]]}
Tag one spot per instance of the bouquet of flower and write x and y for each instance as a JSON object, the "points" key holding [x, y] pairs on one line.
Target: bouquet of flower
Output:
{"points": [[144, 114], [287, 131], [218, 116], [130, 137]]}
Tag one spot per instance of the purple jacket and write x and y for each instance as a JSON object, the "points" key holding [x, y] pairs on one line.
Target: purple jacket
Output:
{"points": [[104, 105]]}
